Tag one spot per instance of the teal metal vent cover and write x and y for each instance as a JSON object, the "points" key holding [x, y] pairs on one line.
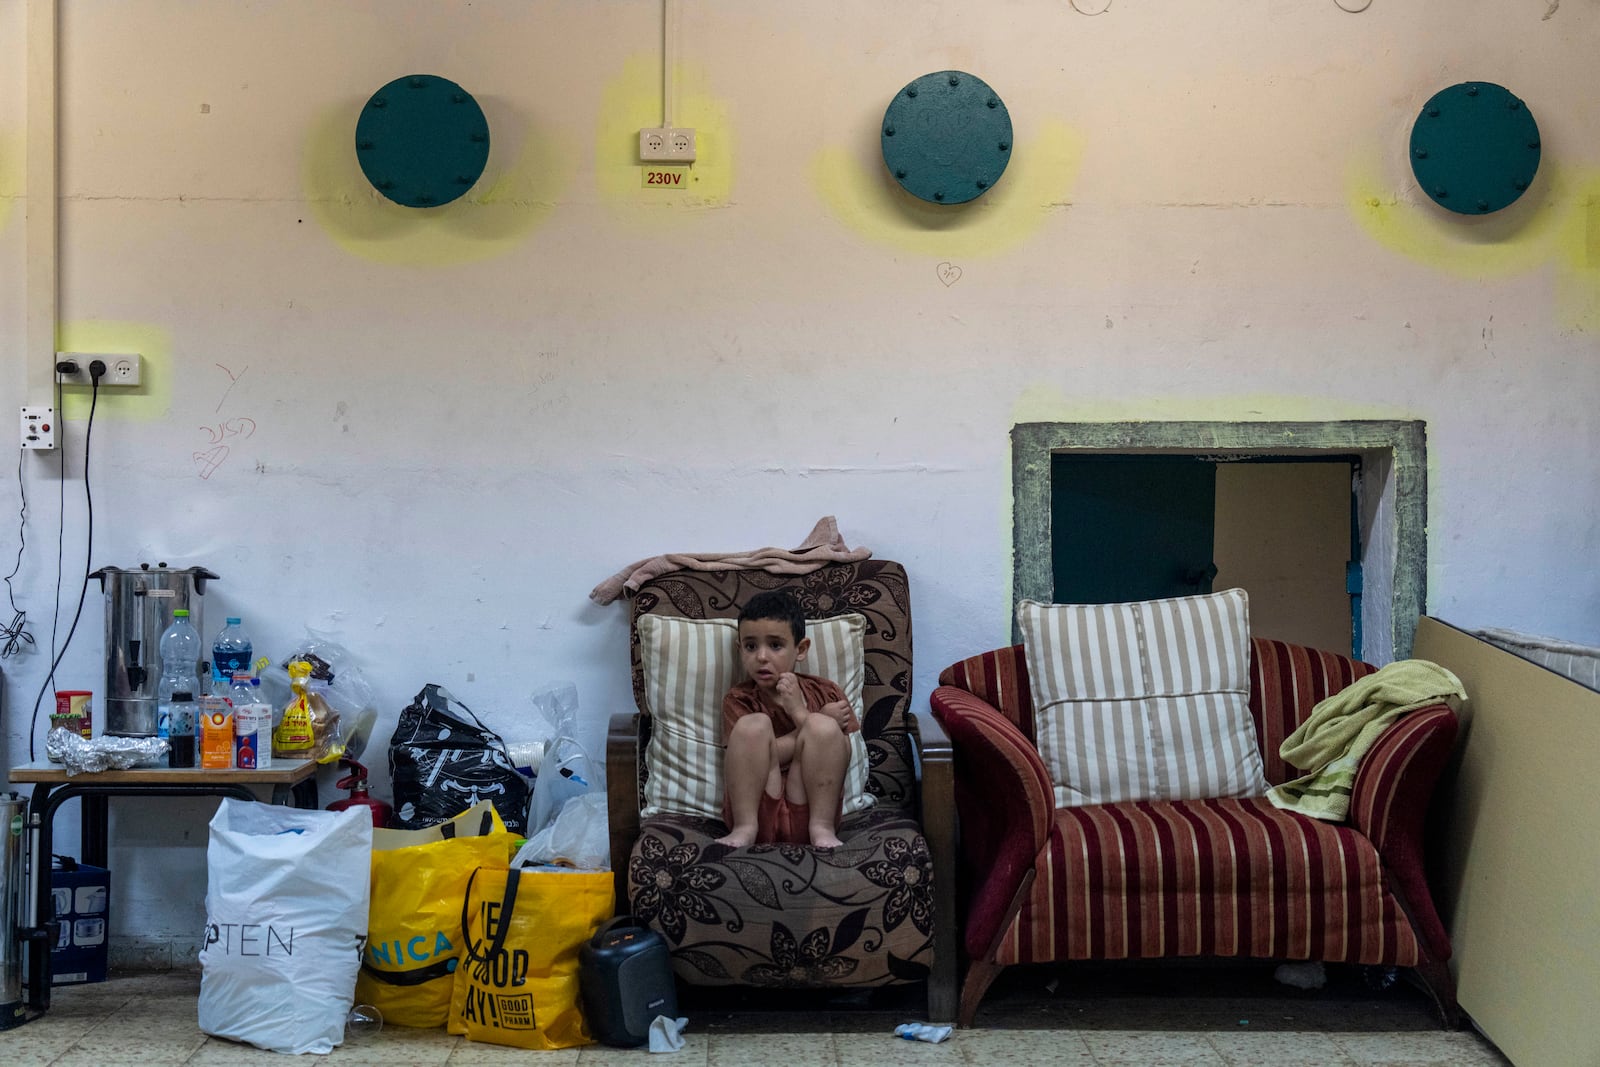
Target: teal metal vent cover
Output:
{"points": [[422, 140], [1474, 148], [947, 137]]}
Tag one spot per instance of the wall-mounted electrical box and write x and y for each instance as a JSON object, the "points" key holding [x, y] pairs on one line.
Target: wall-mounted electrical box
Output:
{"points": [[122, 368], [38, 426], [666, 144]]}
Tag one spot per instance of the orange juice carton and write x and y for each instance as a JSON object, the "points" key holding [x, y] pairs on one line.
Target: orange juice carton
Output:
{"points": [[216, 733]]}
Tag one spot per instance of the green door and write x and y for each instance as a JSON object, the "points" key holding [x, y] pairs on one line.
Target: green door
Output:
{"points": [[1131, 527]]}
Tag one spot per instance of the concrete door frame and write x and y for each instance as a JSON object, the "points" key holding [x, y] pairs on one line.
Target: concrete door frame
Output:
{"points": [[1393, 496]]}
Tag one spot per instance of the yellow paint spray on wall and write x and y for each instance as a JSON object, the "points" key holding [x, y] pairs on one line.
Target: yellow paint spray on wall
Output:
{"points": [[1556, 224], [866, 198], [1578, 252], [146, 402], [529, 167], [11, 177], [632, 101]]}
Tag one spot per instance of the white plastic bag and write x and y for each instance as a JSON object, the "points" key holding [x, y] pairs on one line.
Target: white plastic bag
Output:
{"points": [[565, 772], [579, 837], [286, 917], [567, 813]]}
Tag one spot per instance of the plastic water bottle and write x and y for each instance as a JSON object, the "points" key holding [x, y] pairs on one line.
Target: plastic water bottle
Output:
{"points": [[239, 691], [177, 687], [252, 724], [230, 652]]}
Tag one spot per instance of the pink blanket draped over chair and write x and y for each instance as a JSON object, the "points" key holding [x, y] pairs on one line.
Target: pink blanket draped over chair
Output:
{"points": [[822, 546]]}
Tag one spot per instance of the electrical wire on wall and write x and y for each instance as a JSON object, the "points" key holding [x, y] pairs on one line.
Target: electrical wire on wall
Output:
{"points": [[15, 633], [61, 525], [97, 370]]}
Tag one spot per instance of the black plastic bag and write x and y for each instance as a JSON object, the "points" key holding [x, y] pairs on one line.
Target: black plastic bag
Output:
{"points": [[443, 760]]}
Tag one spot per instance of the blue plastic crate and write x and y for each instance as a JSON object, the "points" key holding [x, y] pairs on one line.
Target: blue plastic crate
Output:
{"points": [[81, 896]]}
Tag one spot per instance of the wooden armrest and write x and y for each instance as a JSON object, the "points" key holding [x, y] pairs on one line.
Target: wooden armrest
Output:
{"points": [[938, 796], [622, 797]]}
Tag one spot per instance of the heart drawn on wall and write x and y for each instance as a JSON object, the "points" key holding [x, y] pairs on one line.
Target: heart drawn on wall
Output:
{"points": [[949, 273], [207, 462]]}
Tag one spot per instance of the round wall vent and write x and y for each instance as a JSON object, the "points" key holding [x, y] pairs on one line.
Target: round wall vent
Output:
{"points": [[947, 137], [422, 141], [1475, 148]]}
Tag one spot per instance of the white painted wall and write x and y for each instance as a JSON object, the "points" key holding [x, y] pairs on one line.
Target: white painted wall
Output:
{"points": [[463, 421]]}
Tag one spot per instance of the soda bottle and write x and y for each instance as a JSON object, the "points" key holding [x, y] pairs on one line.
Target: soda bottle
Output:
{"points": [[180, 656], [178, 714], [230, 652]]}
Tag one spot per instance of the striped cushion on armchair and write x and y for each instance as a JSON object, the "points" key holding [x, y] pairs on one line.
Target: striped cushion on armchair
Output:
{"points": [[1286, 681]]}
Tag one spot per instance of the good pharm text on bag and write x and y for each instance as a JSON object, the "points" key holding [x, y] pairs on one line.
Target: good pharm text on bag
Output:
{"points": [[518, 980]]}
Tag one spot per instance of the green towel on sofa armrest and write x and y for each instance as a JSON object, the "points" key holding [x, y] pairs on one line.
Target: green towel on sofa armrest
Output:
{"points": [[1329, 745]]}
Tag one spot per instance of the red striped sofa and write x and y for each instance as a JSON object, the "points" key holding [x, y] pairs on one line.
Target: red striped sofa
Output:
{"points": [[1225, 878]]}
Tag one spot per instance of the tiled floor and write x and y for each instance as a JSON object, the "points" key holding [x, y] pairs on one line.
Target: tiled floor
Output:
{"points": [[1142, 1016]]}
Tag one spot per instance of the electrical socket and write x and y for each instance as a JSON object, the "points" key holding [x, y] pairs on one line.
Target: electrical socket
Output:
{"points": [[38, 426], [666, 144], [122, 368]]}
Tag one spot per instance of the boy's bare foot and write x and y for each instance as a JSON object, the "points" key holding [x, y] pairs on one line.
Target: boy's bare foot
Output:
{"points": [[822, 836], [738, 837]]}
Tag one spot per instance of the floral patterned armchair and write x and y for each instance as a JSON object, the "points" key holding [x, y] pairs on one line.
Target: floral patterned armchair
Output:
{"points": [[879, 910]]}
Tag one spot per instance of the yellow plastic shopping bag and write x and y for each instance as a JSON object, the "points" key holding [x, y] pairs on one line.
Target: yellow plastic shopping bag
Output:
{"points": [[518, 980], [419, 880]]}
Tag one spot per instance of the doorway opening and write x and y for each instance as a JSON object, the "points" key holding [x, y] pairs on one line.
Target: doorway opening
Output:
{"points": [[1323, 523], [1146, 526]]}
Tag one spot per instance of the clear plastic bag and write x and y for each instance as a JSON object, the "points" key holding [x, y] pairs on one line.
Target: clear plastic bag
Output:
{"points": [[334, 672], [566, 771], [567, 812], [336, 683], [308, 727], [579, 837], [528, 737]]}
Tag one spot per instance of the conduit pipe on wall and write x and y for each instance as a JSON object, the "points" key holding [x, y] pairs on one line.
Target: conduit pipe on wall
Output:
{"points": [[669, 34], [43, 198]]}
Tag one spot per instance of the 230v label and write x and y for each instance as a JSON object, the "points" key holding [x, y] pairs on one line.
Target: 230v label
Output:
{"points": [[665, 177]]}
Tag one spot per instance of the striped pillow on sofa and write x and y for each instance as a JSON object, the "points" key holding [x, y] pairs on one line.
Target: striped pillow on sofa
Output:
{"points": [[689, 666], [1143, 701]]}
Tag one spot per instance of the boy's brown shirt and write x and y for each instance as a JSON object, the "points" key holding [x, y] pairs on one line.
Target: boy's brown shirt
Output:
{"points": [[746, 698]]}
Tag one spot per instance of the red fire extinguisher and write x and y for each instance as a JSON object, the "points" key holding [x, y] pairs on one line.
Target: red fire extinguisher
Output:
{"points": [[356, 782]]}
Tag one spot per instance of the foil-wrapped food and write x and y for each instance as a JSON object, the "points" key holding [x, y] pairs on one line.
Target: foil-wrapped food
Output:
{"points": [[78, 755]]}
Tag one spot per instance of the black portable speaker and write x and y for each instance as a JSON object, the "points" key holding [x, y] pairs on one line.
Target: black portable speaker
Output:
{"points": [[625, 977]]}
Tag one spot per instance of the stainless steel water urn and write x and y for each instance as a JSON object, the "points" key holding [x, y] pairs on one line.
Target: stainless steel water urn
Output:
{"points": [[139, 606], [13, 906]]}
